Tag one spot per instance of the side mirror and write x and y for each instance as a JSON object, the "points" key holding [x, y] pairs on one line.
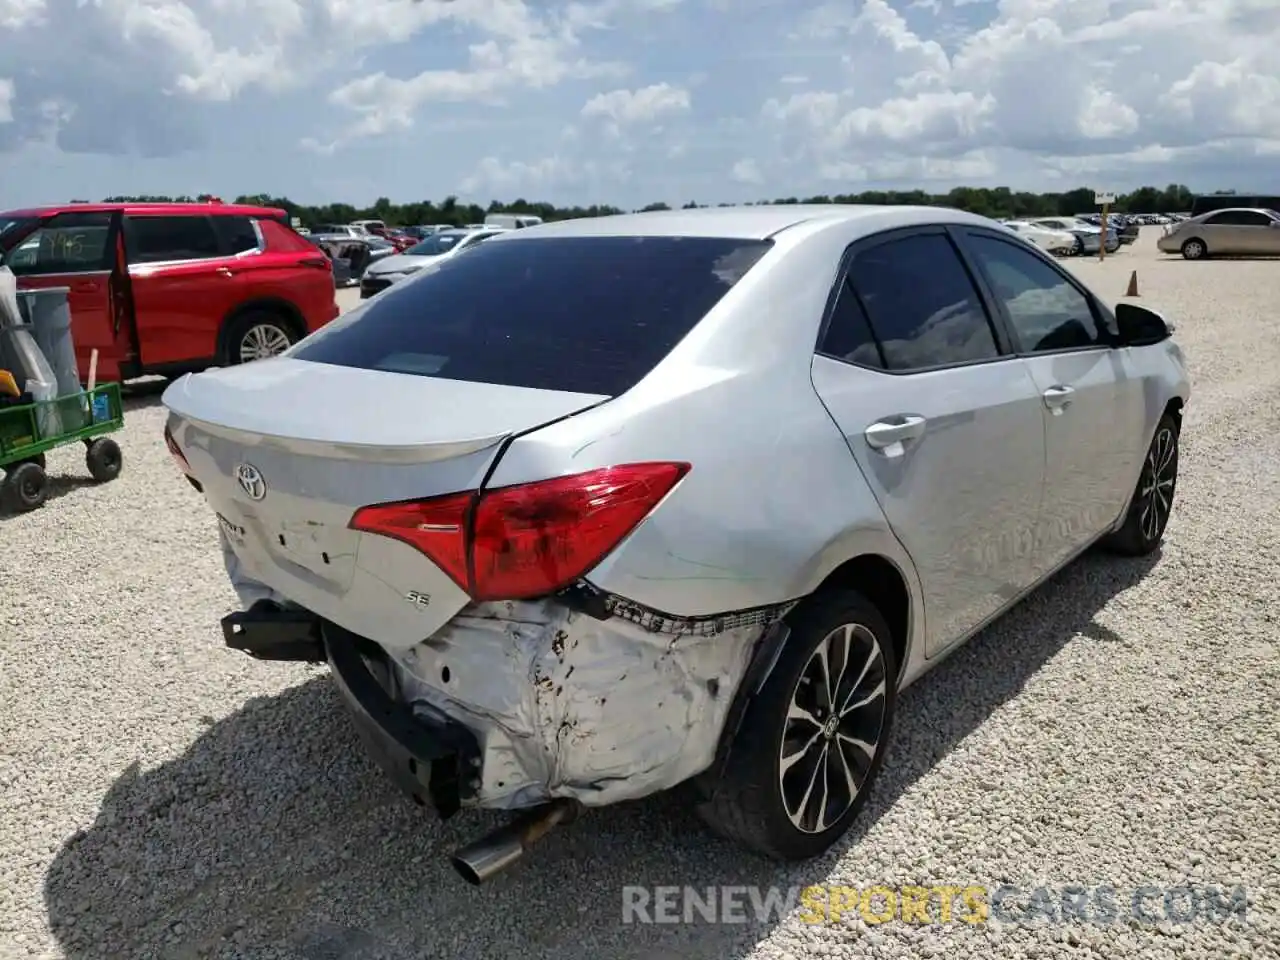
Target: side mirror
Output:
{"points": [[1140, 326]]}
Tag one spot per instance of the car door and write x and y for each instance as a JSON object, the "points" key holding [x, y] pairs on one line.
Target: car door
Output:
{"points": [[1092, 396], [1255, 233], [1269, 240], [183, 286], [75, 250], [943, 421]]}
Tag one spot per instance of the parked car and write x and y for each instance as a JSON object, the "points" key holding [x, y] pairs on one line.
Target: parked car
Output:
{"points": [[340, 230], [165, 288], [1061, 242], [1127, 228], [438, 246], [1241, 231], [512, 221], [1090, 237], [375, 227], [620, 527], [400, 239]]}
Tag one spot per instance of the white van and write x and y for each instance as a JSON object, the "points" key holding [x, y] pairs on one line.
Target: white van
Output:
{"points": [[512, 221]]}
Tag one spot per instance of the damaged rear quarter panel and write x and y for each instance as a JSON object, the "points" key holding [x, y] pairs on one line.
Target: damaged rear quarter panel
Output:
{"points": [[566, 705]]}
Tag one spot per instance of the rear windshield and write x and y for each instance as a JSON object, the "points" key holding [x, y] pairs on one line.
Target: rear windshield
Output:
{"points": [[435, 244], [578, 314]]}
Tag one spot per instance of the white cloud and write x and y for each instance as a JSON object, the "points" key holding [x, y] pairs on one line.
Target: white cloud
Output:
{"points": [[1041, 82], [16, 14], [645, 105], [291, 95], [1104, 116], [514, 176], [494, 174], [747, 171]]}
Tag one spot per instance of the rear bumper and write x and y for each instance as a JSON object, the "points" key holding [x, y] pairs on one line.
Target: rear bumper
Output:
{"points": [[369, 286], [514, 704], [433, 761]]}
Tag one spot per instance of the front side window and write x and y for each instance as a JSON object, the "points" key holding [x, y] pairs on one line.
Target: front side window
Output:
{"points": [[1046, 310], [921, 303], [65, 243], [167, 238], [576, 314]]}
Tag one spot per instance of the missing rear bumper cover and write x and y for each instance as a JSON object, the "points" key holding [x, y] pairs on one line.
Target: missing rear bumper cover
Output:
{"points": [[595, 603], [435, 762]]}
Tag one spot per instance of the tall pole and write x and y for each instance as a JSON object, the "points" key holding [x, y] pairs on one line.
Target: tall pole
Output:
{"points": [[1102, 246]]}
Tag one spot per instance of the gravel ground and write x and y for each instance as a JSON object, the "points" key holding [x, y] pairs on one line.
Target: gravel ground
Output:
{"points": [[163, 797]]}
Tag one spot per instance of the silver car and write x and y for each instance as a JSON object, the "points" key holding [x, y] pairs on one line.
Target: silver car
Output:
{"points": [[684, 498], [441, 244], [1233, 232]]}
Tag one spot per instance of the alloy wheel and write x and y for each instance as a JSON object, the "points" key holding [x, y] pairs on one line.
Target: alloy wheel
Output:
{"points": [[833, 728], [1155, 496], [261, 341]]}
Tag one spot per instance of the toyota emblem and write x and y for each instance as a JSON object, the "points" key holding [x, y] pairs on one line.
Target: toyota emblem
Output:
{"points": [[250, 479]]}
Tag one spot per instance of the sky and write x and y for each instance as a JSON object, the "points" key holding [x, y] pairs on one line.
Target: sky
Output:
{"points": [[628, 102]]}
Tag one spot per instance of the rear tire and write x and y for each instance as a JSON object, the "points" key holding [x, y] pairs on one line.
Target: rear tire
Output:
{"points": [[1148, 516], [104, 459], [257, 335], [25, 487], [792, 744]]}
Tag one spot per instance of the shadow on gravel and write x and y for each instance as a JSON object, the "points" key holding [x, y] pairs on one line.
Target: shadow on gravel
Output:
{"points": [[272, 836], [59, 486], [141, 394]]}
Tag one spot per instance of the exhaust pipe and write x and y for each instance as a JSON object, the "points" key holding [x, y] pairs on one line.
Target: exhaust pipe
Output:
{"points": [[485, 858]]}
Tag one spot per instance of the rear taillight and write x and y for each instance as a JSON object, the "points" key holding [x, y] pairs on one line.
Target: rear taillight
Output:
{"points": [[526, 541], [178, 456]]}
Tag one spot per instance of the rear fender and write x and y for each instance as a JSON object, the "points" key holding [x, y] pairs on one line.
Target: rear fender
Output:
{"points": [[843, 548]]}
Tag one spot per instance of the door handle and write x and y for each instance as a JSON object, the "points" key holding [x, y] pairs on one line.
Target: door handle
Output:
{"points": [[87, 286], [1058, 397], [226, 272], [890, 436]]}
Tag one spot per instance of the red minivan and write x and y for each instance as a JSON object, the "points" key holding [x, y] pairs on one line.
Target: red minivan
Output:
{"points": [[171, 287]]}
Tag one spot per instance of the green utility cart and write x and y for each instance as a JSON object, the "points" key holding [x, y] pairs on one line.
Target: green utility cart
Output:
{"points": [[29, 431]]}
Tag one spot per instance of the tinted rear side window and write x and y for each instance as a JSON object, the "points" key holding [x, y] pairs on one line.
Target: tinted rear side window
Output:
{"points": [[237, 234], [579, 314], [922, 305]]}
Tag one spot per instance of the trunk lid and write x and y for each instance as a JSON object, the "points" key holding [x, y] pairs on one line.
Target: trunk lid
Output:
{"points": [[287, 450]]}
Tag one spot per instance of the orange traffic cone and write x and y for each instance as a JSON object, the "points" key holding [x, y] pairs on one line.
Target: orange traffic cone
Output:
{"points": [[1133, 285]]}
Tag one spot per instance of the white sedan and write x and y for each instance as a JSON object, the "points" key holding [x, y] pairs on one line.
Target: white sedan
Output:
{"points": [[1050, 241]]}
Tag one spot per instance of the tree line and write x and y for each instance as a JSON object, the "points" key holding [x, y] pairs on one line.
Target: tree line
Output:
{"points": [[995, 202]]}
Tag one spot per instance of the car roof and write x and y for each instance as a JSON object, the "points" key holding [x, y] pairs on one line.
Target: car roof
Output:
{"points": [[1211, 213], [742, 223], [147, 209]]}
